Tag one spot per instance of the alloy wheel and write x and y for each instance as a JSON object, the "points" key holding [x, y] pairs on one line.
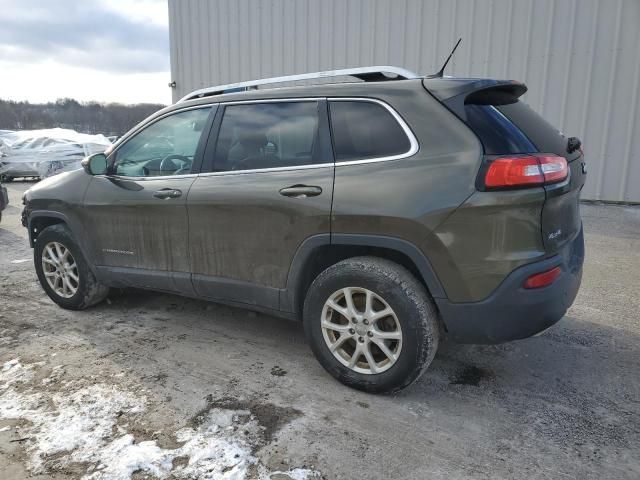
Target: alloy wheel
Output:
{"points": [[361, 330], [60, 269]]}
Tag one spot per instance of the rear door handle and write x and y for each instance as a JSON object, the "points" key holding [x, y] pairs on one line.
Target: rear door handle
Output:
{"points": [[301, 191], [165, 193]]}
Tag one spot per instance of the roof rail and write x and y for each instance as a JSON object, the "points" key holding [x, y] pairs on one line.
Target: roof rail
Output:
{"points": [[368, 74]]}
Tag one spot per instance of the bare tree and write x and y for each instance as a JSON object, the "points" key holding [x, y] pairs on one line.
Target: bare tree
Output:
{"points": [[85, 117]]}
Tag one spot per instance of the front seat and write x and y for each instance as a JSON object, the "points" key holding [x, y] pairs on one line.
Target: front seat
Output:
{"points": [[255, 155]]}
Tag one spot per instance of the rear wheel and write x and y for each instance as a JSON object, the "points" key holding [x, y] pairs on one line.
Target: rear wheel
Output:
{"points": [[371, 324], [63, 272]]}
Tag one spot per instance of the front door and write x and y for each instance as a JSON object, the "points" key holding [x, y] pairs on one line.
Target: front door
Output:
{"points": [[136, 216], [269, 188]]}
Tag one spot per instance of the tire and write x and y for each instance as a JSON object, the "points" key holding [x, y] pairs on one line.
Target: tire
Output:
{"points": [[88, 291], [413, 319]]}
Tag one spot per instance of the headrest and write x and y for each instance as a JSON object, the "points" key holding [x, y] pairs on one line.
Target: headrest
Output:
{"points": [[253, 139]]}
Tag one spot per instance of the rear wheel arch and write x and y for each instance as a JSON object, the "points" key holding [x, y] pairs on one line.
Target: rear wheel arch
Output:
{"points": [[320, 252]]}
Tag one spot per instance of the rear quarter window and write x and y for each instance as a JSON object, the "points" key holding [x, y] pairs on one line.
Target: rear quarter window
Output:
{"points": [[498, 134], [364, 130], [542, 134]]}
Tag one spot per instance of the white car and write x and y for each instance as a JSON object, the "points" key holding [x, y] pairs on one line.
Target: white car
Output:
{"points": [[42, 153]]}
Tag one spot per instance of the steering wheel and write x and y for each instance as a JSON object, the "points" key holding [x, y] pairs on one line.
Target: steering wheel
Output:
{"points": [[169, 165]]}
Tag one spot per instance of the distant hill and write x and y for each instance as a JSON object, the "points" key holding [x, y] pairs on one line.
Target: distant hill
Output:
{"points": [[85, 117]]}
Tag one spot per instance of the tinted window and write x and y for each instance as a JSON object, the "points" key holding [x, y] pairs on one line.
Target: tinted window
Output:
{"points": [[267, 135], [166, 147], [363, 130], [544, 135], [496, 132]]}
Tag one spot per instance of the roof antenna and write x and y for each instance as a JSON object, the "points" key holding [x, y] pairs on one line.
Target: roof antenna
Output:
{"points": [[440, 73]]}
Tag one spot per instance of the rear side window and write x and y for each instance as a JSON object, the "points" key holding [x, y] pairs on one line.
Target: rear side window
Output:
{"points": [[497, 133], [363, 130], [544, 136], [267, 135]]}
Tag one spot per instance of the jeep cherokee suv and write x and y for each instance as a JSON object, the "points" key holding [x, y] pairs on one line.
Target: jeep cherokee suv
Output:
{"points": [[384, 213]]}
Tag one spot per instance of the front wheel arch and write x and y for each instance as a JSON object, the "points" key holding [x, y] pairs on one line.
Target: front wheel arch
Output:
{"points": [[38, 223]]}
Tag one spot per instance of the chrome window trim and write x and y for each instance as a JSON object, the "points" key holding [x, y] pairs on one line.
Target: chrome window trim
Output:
{"points": [[267, 170], [413, 142], [414, 146], [413, 149], [142, 179]]}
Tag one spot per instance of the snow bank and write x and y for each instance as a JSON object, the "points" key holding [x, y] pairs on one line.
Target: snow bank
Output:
{"points": [[77, 424]]}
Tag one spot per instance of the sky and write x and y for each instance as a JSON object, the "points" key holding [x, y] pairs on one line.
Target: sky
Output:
{"points": [[102, 50]]}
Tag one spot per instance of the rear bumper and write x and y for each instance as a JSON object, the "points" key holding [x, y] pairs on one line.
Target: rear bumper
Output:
{"points": [[512, 312]]}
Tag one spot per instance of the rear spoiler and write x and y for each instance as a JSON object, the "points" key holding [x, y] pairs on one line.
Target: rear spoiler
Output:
{"points": [[455, 93]]}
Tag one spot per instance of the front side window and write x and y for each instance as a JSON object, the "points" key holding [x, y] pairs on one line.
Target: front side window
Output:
{"points": [[166, 147], [267, 135], [365, 130]]}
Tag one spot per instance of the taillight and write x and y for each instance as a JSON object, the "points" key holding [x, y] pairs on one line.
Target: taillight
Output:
{"points": [[525, 171], [543, 279]]}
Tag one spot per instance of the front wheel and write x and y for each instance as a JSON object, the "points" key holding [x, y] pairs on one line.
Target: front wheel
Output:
{"points": [[371, 324], [63, 271]]}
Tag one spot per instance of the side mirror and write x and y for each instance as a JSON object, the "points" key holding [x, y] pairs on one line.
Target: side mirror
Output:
{"points": [[95, 164]]}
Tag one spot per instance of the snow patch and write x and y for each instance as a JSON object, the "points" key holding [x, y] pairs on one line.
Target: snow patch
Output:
{"points": [[21, 260], [14, 372], [80, 425]]}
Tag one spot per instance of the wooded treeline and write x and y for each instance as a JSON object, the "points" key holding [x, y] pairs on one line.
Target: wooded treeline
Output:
{"points": [[89, 117]]}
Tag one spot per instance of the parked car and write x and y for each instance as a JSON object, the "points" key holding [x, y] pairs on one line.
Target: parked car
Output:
{"points": [[384, 213], [43, 153]]}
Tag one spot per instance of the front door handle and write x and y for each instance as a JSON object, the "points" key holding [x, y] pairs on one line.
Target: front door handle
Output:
{"points": [[165, 193], [301, 191]]}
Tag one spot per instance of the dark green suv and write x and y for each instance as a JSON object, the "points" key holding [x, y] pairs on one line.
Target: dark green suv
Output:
{"points": [[384, 212]]}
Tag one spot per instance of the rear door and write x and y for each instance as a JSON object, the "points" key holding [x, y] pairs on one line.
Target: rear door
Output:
{"points": [[136, 215], [269, 187]]}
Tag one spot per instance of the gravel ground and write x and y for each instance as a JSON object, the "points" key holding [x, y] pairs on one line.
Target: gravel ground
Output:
{"points": [[564, 404]]}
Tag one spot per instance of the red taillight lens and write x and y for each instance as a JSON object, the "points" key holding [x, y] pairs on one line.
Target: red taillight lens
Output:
{"points": [[543, 279], [525, 171], [554, 168], [508, 172]]}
